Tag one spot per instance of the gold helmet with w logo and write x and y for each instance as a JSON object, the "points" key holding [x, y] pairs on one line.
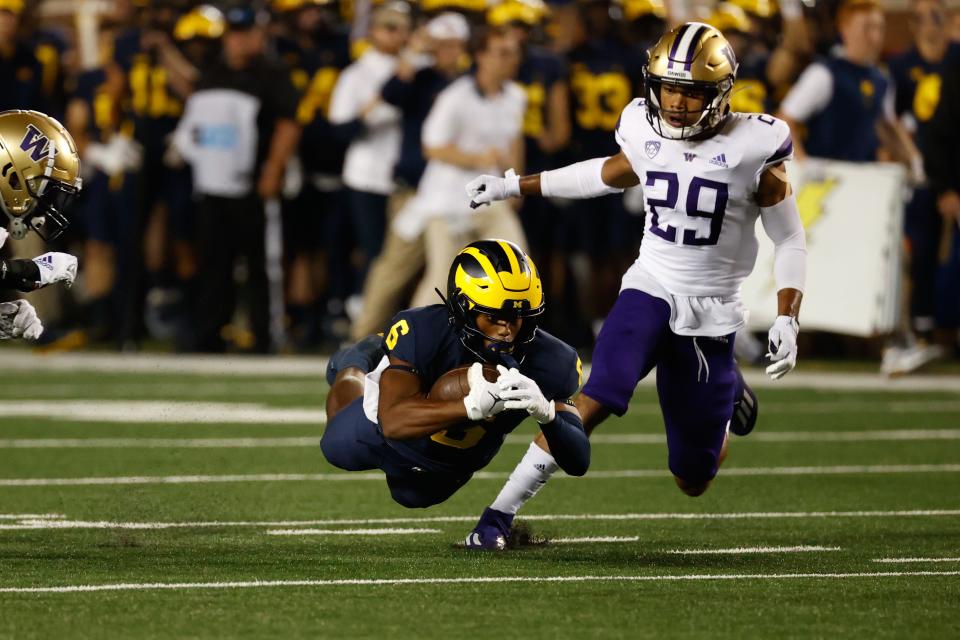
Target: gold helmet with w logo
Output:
{"points": [[496, 278], [694, 56], [39, 173]]}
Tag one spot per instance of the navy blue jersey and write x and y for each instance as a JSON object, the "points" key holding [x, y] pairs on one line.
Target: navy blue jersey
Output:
{"points": [[414, 99], [539, 72], [155, 107], [106, 115], [846, 128], [49, 47], [424, 338], [314, 71], [20, 75], [918, 83], [605, 75]]}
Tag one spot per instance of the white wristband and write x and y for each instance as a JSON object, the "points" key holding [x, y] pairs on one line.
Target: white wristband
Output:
{"points": [[511, 184]]}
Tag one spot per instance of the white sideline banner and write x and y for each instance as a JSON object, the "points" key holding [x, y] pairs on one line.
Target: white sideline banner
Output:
{"points": [[853, 215]]}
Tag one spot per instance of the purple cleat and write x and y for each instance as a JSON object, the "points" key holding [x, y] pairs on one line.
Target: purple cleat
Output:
{"points": [[492, 531]]}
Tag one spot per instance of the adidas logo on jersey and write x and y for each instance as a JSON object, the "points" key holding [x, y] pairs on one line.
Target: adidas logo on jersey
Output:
{"points": [[720, 160], [45, 261]]}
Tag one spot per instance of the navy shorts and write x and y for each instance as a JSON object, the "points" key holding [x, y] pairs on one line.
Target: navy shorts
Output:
{"points": [[353, 442], [696, 379]]}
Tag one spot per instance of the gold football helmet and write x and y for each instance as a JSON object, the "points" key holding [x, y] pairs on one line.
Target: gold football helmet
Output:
{"points": [[694, 56], [496, 278], [39, 173]]}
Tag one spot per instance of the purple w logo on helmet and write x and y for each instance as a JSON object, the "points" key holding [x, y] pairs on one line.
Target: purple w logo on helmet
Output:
{"points": [[35, 143]]}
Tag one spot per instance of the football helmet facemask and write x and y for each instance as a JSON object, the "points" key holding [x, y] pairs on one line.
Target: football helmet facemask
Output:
{"points": [[496, 278], [694, 56], [39, 173]]}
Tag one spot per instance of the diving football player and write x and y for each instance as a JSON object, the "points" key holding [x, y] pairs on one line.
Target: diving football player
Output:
{"points": [[707, 174], [380, 415]]}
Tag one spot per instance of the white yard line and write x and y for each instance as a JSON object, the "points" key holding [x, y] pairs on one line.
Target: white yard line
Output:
{"points": [[287, 366], [27, 524], [480, 475], [593, 539], [906, 435], [912, 560], [158, 443], [31, 516], [224, 365], [261, 584], [151, 389], [150, 411], [348, 532], [750, 550]]}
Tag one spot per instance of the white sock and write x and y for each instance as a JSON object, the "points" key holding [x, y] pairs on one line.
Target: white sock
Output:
{"points": [[531, 474]]}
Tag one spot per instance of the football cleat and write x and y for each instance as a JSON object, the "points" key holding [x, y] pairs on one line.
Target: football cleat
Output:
{"points": [[364, 355], [745, 408], [492, 531]]}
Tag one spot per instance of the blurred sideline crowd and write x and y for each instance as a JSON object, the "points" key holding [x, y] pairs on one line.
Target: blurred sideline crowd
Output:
{"points": [[288, 175]]}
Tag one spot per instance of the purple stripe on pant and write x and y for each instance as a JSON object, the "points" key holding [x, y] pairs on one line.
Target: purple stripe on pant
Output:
{"points": [[696, 379]]}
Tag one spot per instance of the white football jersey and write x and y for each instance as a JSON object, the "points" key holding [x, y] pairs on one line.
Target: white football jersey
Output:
{"points": [[699, 238]]}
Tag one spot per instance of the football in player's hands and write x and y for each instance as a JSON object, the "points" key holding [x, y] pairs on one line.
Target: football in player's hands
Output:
{"points": [[454, 385], [475, 385]]}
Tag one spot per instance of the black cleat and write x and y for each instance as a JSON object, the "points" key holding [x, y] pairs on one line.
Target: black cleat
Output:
{"points": [[745, 409]]}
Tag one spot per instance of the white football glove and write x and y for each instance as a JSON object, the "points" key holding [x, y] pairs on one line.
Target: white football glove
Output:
{"points": [[487, 189], [484, 400], [782, 344], [522, 392], [3, 236], [56, 267], [119, 155], [18, 319]]}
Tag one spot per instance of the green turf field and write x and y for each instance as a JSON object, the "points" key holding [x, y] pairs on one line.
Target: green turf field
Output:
{"points": [[201, 507]]}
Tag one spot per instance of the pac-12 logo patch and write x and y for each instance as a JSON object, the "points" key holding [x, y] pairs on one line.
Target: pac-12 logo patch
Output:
{"points": [[652, 147]]}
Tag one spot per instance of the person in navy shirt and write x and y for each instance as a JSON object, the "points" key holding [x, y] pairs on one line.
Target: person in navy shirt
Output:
{"points": [[919, 75], [379, 413]]}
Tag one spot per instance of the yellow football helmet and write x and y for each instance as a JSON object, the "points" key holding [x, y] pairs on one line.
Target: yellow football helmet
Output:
{"points": [[528, 12], [636, 9], [204, 22], [39, 173], [496, 278], [285, 6], [759, 8], [13, 6], [729, 17], [469, 6], [694, 56]]}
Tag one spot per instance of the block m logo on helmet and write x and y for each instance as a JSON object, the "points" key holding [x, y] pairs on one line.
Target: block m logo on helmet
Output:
{"points": [[35, 143]]}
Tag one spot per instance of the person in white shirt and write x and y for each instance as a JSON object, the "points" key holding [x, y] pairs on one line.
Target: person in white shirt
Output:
{"points": [[475, 125], [372, 126]]}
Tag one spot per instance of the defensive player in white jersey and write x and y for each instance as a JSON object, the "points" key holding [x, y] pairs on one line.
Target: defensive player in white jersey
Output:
{"points": [[39, 180], [707, 174]]}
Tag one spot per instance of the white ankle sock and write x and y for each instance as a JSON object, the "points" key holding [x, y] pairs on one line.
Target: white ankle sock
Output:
{"points": [[531, 474]]}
